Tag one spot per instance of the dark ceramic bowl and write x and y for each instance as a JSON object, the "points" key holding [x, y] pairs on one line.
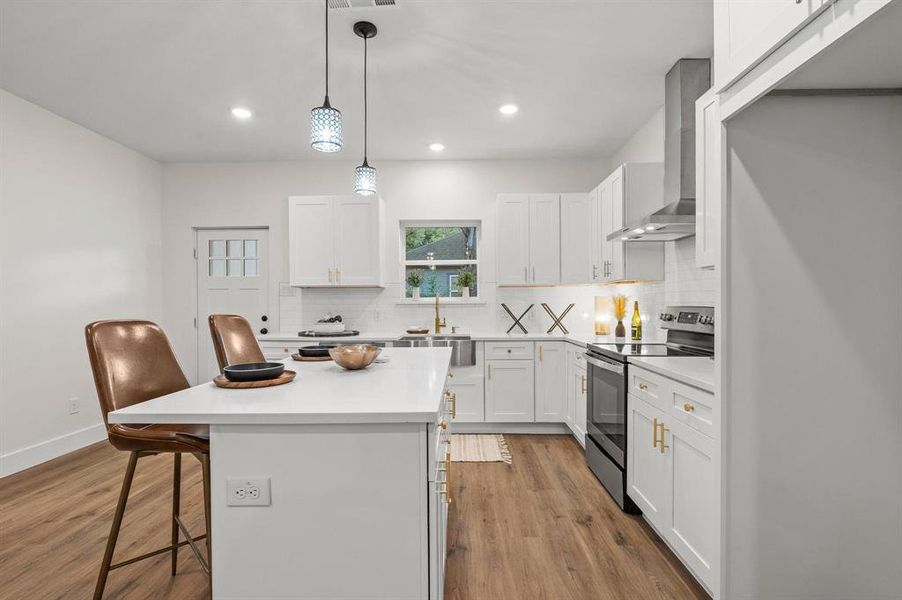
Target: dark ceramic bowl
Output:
{"points": [[253, 371], [315, 351]]}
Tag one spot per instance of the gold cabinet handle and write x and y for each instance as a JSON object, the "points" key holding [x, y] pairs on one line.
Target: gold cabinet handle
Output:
{"points": [[453, 405], [654, 433], [583, 387], [541, 353], [450, 375], [442, 424], [490, 371], [663, 430], [447, 470], [688, 407], [642, 386], [508, 350], [330, 275]]}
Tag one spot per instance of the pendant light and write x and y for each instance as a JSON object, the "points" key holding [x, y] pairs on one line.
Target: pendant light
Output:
{"points": [[325, 121], [365, 175]]}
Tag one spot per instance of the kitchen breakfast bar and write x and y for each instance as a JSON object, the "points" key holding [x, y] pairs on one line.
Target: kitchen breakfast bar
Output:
{"points": [[333, 486]]}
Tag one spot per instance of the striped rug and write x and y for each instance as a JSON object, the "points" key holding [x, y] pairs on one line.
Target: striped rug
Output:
{"points": [[479, 448]]}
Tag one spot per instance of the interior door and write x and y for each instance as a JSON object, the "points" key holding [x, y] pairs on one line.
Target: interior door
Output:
{"points": [[357, 248], [232, 278], [512, 247], [545, 239], [311, 248]]}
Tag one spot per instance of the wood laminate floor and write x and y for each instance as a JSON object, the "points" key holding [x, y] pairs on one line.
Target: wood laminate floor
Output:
{"points": [[541, 528]]}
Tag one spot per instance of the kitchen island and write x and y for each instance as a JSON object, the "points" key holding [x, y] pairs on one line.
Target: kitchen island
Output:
{"points": [[332, 486]]}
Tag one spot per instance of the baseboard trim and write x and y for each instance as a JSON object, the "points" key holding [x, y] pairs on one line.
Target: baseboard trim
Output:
{"points": [[512, 428], [25, 458]]}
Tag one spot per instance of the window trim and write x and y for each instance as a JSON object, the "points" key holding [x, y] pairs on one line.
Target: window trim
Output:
{"points": [[404, 263]]}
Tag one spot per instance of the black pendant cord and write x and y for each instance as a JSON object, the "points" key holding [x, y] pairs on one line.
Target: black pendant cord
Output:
{"points": [[365, 115], [327, 52]]}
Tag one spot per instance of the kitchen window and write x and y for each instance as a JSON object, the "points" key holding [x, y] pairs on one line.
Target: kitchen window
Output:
{"points": [[440, 252]]}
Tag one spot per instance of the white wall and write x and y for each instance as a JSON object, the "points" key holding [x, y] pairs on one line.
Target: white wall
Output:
{"points": [[812, 383], [646, 145], [251, 194], [79, 241]]}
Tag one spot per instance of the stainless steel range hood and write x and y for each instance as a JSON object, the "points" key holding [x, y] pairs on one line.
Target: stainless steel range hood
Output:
{"points": [[686, 81]]}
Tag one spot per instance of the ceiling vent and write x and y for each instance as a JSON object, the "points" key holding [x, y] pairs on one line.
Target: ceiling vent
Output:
{"points": [[360, 3]]}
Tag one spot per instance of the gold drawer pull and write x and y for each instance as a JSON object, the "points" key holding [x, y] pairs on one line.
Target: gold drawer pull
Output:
{"points": [[453, 405], [450, 374], [654, 433], [642, 386], [688, 407], [442, 424], [663, 430], [583, 385], [448, 476]]}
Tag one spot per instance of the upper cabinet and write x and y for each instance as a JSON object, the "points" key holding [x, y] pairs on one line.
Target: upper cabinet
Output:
{"points": [[709, 171], [630, 192], [334, 241], [529, 239], [576, 238], [746, 32]]}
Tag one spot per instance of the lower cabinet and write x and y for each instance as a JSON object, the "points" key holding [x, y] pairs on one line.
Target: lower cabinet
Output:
{"points": [[672, 477], [551, 381], [470, 399], [577, 399], [509, 391]]}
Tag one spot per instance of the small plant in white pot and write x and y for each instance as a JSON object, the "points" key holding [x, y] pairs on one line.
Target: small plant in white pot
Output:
{"points": [[415, 280], [464, 280]]}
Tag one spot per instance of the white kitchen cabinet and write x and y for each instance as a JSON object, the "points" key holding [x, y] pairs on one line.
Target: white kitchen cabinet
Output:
{"points": [[596, 238], [512, 248], [470, 407], [529, 239], [630, 192], [551, 382], [579, 384], [745, 32], [672, 468], [576, 239], [709, 170], [334, 241], [509, 391]]}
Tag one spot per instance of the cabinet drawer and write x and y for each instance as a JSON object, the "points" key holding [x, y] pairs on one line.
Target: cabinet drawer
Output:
{"points": [[694, 407], [649, 386], [505, 350]]}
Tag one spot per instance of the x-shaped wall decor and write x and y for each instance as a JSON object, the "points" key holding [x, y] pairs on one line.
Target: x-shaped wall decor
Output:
{"points": [[557, 320], [517, 320]]}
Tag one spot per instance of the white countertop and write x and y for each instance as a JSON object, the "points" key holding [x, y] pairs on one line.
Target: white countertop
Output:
{"points": [[578, 339], [407, 388], [697, 371]]}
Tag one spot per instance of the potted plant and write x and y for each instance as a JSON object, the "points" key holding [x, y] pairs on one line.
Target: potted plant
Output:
{"points": [[415, 280], [464, 280]]}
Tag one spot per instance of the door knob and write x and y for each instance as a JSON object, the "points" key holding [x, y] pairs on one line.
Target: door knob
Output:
{"points": [[264, 331], [264, 318]]}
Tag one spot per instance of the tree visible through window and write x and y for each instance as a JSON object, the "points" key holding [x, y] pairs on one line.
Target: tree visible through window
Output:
{"points": [[438, 253]]}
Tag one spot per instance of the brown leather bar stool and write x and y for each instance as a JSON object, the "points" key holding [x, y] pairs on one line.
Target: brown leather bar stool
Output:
{"points": [[133, 362], [234, 341]]}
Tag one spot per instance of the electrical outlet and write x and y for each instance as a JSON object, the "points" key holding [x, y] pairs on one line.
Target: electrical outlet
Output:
{"points": [[248, 492], [73, 406]]}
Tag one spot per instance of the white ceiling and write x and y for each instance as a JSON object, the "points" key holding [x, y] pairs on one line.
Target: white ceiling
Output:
{"points": [[160, 76]]}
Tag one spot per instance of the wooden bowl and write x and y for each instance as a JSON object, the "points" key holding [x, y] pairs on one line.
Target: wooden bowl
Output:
{"points": [[355, 356]]}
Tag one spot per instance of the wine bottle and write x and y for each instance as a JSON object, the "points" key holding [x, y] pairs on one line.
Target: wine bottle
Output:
{"points": [[637, 323]]}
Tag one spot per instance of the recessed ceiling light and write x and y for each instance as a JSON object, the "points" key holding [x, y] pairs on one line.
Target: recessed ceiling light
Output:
{"points": [[436, 146], [508, 109], [239, 112], [638, 230]]}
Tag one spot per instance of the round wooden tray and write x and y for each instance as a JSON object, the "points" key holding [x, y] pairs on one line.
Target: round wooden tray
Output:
{"points": [[300, 358], [286, 377]]}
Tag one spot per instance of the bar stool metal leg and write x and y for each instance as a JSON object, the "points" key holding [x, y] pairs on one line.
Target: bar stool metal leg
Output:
{"points": [[117, 524], [205, 462], [176, 497]]}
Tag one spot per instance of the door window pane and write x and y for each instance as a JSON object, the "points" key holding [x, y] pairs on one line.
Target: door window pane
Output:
{"points": [[250, 268], [218, 267], [440, 243], [250, 248], [235, 248], [217, 248], [235, 268]]}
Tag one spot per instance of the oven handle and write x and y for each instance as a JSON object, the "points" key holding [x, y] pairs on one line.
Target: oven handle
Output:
{"points": [[603, 364]]}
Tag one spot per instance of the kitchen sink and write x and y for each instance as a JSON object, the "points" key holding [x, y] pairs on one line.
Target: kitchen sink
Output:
{"points": [[463, 348]]}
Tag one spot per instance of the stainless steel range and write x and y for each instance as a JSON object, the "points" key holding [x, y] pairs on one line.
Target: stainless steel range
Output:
{"points": [[690, 332]]}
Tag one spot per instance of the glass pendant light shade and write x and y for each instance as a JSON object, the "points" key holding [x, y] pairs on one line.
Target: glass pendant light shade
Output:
{"points": [[365, 179], [325, 128]]}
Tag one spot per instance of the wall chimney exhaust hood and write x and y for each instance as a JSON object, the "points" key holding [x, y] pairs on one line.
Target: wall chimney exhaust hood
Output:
{"points": [[686, 81]]}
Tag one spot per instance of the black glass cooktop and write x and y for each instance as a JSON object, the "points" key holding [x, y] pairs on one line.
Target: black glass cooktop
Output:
{"points": [[622, 351]]}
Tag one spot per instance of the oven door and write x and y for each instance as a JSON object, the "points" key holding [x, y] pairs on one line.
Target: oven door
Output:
{"points": [[606, 424]]}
